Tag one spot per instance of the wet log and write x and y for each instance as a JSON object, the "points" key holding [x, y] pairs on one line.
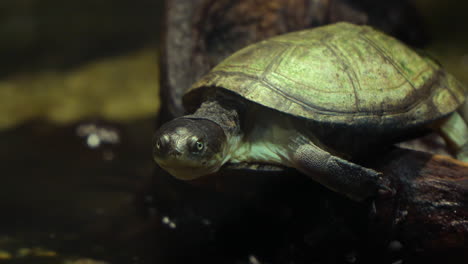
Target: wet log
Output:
{"points": [[429, 212], [290, 218]]}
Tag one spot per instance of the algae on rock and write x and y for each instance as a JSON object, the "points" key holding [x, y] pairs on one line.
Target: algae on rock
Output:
{"points": [[115, 88]]}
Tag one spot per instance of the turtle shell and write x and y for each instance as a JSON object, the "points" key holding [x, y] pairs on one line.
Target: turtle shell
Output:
{"points": [[340, 74]]}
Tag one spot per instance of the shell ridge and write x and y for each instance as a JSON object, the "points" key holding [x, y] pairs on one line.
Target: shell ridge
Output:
{"points": [[323, 111], [311, 106], [317, 108], [452, 94], [348, 69], [426, 95], [385, 55], [306, 87], [274, 62]]}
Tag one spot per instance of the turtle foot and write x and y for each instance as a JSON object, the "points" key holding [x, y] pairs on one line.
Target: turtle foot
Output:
{"points": [[463, 153], [342, 176]]}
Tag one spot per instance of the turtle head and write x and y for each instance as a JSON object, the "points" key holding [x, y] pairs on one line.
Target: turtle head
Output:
{"points": [[190, 148]]}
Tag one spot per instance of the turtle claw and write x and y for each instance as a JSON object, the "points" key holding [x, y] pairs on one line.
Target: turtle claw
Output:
{"points": [[373, 208], [384, 190]]}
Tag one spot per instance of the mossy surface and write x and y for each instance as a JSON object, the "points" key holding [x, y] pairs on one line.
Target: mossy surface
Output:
{"points": [[119, 88]]}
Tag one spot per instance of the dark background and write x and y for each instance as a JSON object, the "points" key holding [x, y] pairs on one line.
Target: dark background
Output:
{"points": [[69, 65]]}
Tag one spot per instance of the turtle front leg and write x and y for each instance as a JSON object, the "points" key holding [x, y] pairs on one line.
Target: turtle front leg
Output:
{"points": [[342, 176]]}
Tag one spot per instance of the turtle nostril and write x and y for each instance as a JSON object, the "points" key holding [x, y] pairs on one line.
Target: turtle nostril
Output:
{"points": [[161, 145]]}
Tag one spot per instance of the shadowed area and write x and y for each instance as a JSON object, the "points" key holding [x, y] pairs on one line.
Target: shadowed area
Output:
{"points": [[79, 97], [38, 34]]}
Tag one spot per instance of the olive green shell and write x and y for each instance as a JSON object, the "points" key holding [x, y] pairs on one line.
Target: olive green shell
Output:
{"points": [[338, 74]]}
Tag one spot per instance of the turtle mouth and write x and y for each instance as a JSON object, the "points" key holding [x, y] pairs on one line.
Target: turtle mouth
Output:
{"points": [[188, 173], [189, 170]]}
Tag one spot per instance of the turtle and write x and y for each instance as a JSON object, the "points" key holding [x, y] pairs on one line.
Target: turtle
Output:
{"points": [[319, 100]]}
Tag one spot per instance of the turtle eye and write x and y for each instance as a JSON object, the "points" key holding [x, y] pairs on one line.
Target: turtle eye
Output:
{"points": [[197, 145], [200, 145]]}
